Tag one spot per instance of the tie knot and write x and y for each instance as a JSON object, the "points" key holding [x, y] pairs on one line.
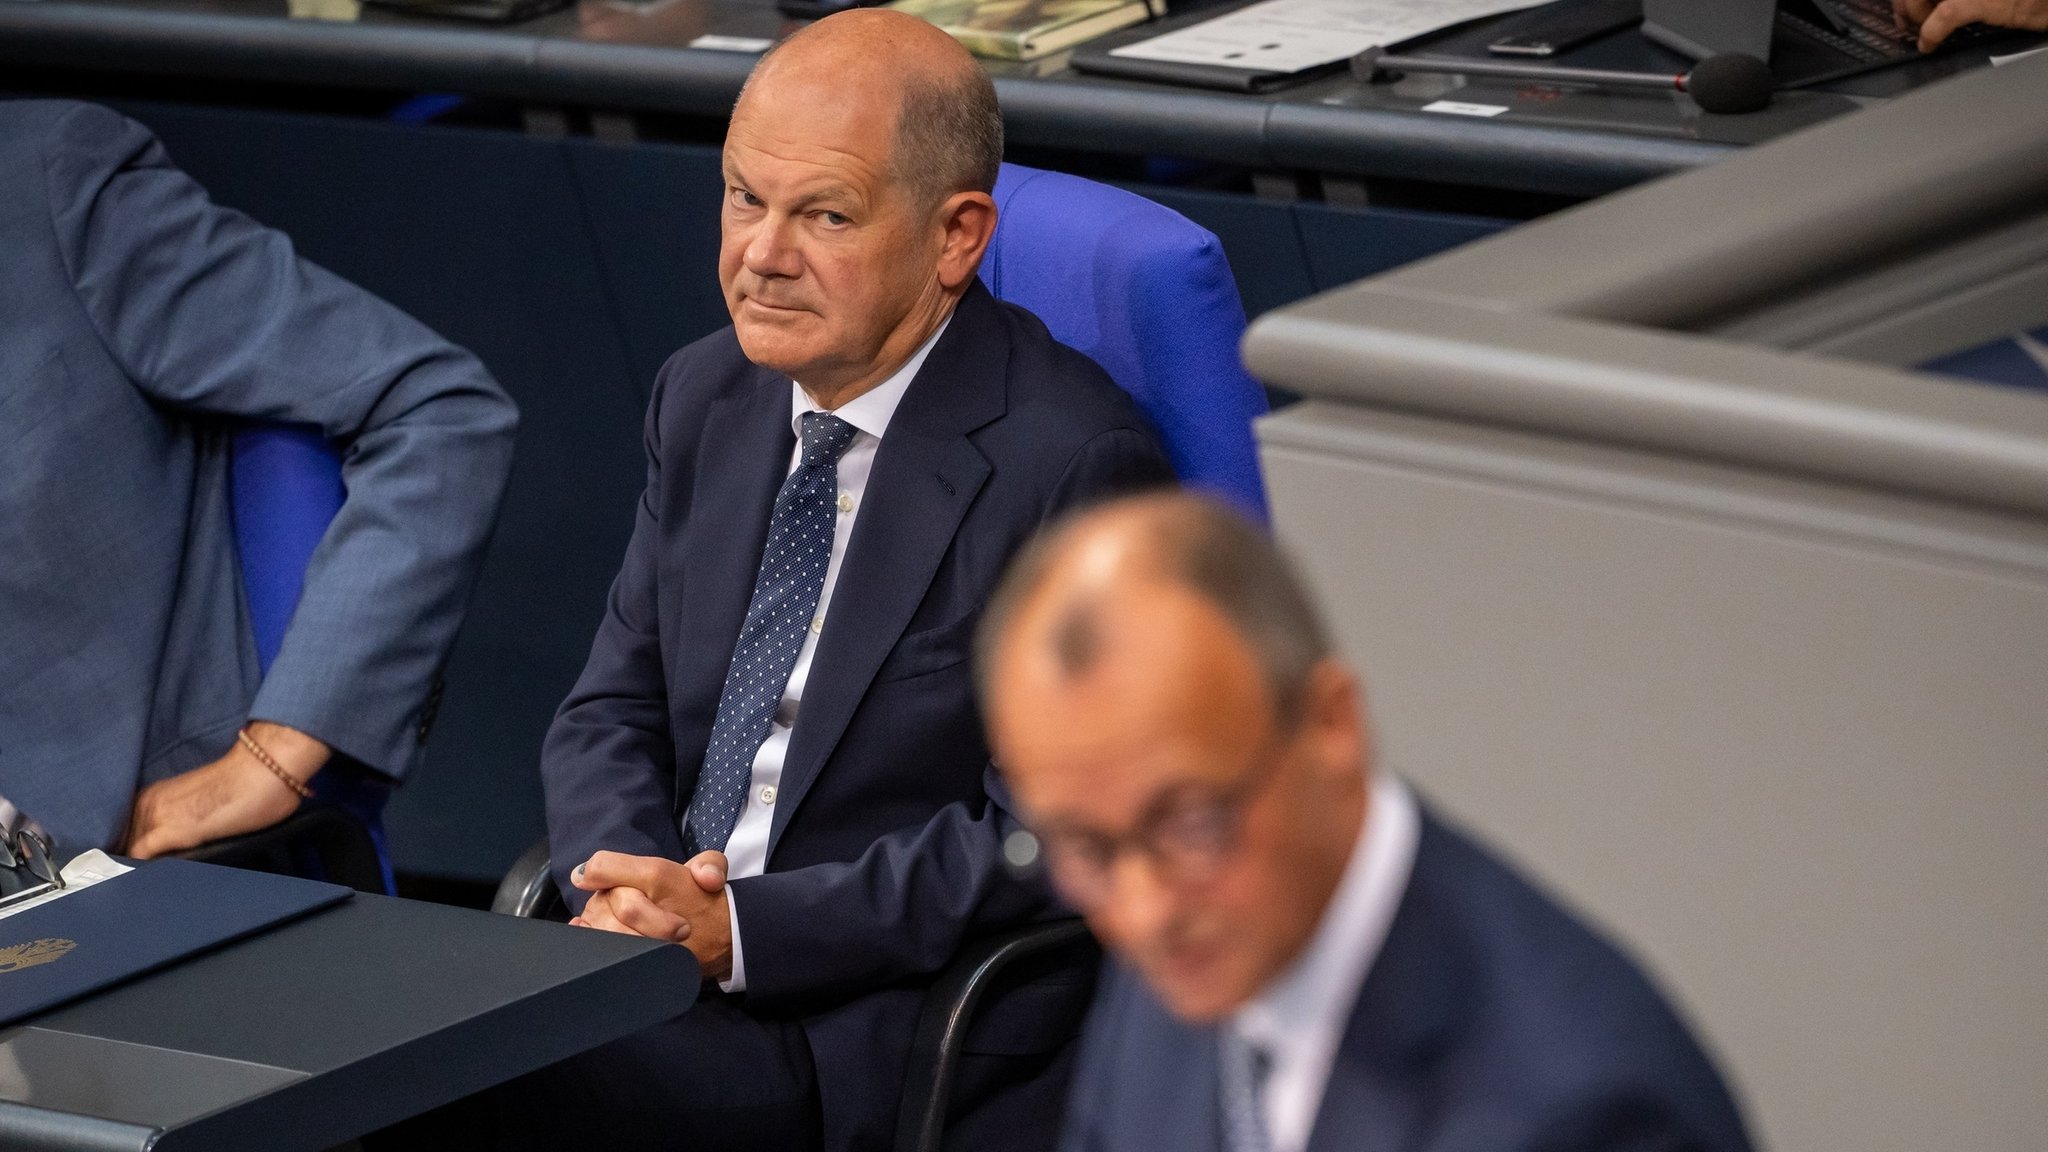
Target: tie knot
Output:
{"points": [[1260, 1059], [1252, 1056], [825, 438]]}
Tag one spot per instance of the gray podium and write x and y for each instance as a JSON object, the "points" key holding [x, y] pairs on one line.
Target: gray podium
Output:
{"points": [[1669, 576]]}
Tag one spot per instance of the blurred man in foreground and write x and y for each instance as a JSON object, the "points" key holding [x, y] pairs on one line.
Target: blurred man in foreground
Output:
{"points": [[1307, 959]]}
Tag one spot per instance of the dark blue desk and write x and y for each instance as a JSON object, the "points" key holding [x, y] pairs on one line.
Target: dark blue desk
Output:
{"points": [[315, 1033]]}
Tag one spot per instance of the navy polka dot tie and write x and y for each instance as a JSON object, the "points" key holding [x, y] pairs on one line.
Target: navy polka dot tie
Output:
{"points": [[785, 599]]}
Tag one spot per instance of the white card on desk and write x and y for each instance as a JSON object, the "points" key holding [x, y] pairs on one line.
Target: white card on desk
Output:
{"points": [[1294, 35], [1461, 108], [731, 43]]}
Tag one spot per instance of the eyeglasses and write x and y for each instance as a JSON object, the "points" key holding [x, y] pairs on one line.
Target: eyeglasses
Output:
{"points": [[1188, 834], [26, 869]]}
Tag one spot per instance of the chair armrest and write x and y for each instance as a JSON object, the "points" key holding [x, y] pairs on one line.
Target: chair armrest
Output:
{"points": [[338, 841], [949, 1007], [527, 889]]}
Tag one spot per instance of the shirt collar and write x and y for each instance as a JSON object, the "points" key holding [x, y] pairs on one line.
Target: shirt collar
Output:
{"points": [[871, 411], [1305, 1009]]}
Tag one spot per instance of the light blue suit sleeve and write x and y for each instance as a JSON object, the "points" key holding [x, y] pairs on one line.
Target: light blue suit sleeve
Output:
{"points": [[213, 314]]}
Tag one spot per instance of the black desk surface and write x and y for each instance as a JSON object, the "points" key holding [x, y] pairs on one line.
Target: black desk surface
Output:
{"points": [[329, 1027], [629, 55]]}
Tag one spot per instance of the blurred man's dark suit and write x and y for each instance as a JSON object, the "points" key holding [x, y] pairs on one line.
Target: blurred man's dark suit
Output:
{"points": [[1489, 1021], [886, 848], [138, 321]]}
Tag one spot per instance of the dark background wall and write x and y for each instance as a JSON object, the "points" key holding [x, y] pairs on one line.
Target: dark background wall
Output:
{"points": [[573, 267]]}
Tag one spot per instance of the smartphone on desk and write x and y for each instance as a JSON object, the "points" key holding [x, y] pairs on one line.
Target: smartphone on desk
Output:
{"points": [[1547, 34]]}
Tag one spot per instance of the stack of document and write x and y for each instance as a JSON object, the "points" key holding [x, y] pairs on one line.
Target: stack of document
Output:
{"points": [[1026, 29]]}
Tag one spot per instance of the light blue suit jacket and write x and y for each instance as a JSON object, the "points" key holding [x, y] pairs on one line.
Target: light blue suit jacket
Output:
{"points": [[138, 321]]}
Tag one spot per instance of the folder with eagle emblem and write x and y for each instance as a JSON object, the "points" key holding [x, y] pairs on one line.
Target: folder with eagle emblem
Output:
{"points": [[120, 928]]}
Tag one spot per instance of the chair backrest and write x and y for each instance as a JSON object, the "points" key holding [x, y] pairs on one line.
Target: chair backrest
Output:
{"points": [[286, 489], [1148, 294]]}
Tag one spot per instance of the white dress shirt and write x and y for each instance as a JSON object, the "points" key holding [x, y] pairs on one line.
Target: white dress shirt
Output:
{"points": [[1299, 1019], [746, 850]]}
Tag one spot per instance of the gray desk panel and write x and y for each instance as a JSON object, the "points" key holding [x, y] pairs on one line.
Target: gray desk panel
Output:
{"points": [[1782, 738], [1676, 393], [64, 1074]]}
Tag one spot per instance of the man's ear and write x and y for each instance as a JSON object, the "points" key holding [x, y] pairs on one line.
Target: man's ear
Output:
{"points": [[1333, 711], [967, 222]]}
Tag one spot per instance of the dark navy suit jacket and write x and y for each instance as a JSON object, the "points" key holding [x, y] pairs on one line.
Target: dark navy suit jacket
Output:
{"points": [[138, 320], [885, 849], [1491, 1021]]}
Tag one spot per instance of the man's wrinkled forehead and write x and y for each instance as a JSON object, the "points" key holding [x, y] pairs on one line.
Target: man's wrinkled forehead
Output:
{"points": [[824, 126]]}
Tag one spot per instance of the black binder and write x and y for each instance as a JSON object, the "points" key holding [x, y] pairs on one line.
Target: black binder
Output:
{"points": [[120, 928]]}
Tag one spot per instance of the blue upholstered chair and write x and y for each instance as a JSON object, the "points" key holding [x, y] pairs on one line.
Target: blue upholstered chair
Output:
{"points": [[1146, 293], [285, 484], [287, 487]]}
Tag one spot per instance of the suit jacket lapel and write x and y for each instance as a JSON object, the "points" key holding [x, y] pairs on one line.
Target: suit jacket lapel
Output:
{"points": [[1192, 1117], [925, 476], [741, 464], [1414, 999], [1165, 1090]]}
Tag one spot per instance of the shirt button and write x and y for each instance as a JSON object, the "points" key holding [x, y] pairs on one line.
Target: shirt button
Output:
{"points": [[817, 625], [767, 793], [845, 502]]}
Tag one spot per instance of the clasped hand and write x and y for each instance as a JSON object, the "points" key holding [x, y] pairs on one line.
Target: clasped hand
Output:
{"points": [[656, 897]]}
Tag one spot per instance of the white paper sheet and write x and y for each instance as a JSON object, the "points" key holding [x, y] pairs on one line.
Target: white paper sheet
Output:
{"points": [[85, 870], [1291, 35]]}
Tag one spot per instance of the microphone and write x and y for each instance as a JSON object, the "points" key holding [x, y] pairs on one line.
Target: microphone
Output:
{"points": [[1728, 83]]}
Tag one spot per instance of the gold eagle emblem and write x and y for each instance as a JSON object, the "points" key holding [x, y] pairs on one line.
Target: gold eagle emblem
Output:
{"points": [[17, 956]]}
